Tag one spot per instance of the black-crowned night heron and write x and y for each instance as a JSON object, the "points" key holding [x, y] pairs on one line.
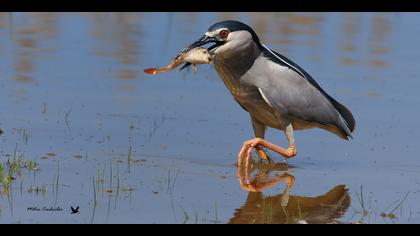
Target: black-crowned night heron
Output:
{"points": [[275, 91]]}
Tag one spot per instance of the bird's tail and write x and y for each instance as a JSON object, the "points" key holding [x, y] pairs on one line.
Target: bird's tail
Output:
{"points": [[347, 120]]}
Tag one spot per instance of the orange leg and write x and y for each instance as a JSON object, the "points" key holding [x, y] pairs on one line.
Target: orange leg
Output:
{"points": [[249, 146]]}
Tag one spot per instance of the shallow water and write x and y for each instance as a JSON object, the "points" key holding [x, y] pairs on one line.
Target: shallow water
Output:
{"points": [[74, 98]]}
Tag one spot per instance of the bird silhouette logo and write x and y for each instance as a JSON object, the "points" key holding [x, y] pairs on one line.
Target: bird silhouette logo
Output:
{"points": [[74, 211]]}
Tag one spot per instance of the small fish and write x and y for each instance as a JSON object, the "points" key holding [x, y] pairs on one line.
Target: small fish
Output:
{"points": [[194, 56]]}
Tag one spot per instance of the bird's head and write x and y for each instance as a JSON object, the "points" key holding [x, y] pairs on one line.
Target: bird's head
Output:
{"points": [[228, 37]]}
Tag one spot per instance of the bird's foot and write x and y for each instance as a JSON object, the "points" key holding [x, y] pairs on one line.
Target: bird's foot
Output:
{"points": [[263, 155], [258, 143], [291, 151]]}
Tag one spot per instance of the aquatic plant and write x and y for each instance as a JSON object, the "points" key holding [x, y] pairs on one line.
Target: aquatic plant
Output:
{"points": [[1, 172]]}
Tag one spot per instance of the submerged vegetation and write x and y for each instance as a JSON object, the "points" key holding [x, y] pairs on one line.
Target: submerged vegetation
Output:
{"points": [[11, 169], [38, 189], [367, 211]]}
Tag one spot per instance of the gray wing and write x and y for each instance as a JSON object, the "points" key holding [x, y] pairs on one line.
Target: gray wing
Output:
{"points": [[291, 91]]}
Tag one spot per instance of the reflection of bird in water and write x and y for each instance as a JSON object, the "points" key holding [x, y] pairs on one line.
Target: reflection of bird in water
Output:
{"points": [[259, 209], [285, 208], [1, 131]]}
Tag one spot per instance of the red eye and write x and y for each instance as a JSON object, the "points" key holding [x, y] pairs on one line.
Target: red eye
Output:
{"points": [[224, 33]]}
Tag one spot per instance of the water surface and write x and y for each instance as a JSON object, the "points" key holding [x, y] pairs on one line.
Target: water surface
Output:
{"points": [[74, 99]]}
